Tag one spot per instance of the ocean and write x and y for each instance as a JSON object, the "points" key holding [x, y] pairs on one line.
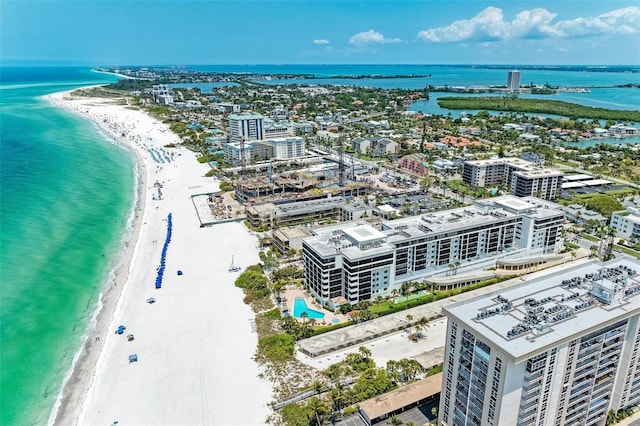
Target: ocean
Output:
{"points": [[67, 193]]}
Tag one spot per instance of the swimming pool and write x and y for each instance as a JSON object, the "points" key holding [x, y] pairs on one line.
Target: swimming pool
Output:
{"points": [[300, 306]]}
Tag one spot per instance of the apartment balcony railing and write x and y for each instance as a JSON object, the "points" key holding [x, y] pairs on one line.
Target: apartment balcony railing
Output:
{"points": [[531, 386]]}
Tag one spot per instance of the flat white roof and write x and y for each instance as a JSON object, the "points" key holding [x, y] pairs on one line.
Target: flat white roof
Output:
{"points": [[568, 185], [514, 203], [492, 317], [387, 208], [577, 177], [596, 182], [364, 233]]}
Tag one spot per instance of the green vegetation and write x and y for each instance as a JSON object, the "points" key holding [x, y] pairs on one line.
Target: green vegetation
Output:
{"points": [[295, 415], [371, 381], [276, 348], [614, 417], [571, 246], [389, 307], [604, 204], [627, 250], [226, 186], [543, 106], [130, 84], [259, 228], [254, 284], [435, 370]]}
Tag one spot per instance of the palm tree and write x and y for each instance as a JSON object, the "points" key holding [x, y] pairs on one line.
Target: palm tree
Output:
{"points": [[316, 410], [304, 317], [338, 396], [320, 387], [394, 421], [457, 265], [312, 323], [365, 353], [409, 318], [405, 289], [394, 293], [423, 323]]}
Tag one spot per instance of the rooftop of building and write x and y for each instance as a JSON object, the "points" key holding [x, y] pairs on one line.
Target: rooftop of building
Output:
{"points": [[273, 141], [539, 314], [245, 116], [291, 233], [536, 171], [302, 207], [631, 214], [577, 177], [345, 239], [479, 213], [342, 238], [402, 397], [526, 168]]}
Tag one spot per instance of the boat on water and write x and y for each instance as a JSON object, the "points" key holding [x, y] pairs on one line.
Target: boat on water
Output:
{"points": [[233, 267]]}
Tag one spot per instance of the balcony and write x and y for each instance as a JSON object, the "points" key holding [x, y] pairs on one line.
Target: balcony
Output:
{"points": [[598, 404], [585, 352], [586, 362], [581, 387], [526, 418], [533, 376], [529, 396], [531, 386], [579, 400], [526, 407]]}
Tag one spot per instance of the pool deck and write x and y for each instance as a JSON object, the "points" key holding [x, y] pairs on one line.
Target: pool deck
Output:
{"points": [[290, 295]]}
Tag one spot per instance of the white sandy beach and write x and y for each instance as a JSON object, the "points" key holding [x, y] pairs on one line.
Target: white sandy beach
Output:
{"points": [[195, 344]]}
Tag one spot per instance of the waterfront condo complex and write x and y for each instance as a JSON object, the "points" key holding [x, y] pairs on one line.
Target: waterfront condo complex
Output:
{"points": [[349, 263], [560, 349], [521, 177]]}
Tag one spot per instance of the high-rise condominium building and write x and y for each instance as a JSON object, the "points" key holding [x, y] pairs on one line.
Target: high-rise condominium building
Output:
{"points": [[254, 127], [354, 262], [247, 126], [560, 349], [522, 178], [513, 81]]}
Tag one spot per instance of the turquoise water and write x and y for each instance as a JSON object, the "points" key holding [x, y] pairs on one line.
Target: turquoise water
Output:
{"points": [[65, 197], [300, 306], [66, 194]]}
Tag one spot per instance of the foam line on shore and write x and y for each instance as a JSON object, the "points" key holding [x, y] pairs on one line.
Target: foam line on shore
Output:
{"points": [[196, 338]]}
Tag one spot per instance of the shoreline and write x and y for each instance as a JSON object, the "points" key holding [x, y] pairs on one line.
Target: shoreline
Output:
{"points": [[82, 372], [91, 393]]}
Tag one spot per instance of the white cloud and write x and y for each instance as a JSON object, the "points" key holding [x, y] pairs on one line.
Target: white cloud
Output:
{"points": [[321, 41], [371, 37], [619, 21], [490, 25]]}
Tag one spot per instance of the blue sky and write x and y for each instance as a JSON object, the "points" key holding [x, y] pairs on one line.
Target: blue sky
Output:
{"points": [[133, 32]]}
